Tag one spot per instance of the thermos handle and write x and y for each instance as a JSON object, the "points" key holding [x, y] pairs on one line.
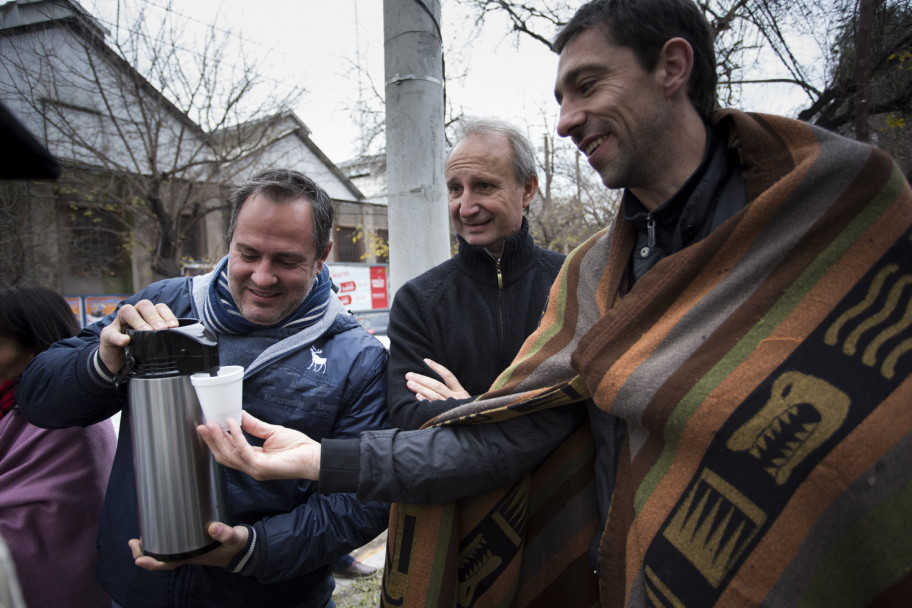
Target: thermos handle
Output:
{"points": [[128, 365]]}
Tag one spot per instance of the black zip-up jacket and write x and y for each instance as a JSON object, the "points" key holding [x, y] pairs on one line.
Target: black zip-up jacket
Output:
{"points": [[471, 314]]}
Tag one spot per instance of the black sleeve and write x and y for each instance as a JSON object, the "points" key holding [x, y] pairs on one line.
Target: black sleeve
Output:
{"points": [[448, 463], [411, 341], [340, 464]]}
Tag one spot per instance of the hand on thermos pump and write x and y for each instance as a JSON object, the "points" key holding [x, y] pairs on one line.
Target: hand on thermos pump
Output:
{"points": [[286, 453], [232, 541], [144, 316]]}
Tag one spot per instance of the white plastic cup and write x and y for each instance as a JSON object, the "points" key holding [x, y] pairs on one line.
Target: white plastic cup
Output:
{"points": [[220, 396]]}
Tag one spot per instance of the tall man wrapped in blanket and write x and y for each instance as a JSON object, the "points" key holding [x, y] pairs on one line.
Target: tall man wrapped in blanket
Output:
{"points": [[745, 319]]}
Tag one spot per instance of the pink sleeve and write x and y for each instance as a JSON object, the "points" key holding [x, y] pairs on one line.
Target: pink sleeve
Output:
{"points": [[52, 484]]}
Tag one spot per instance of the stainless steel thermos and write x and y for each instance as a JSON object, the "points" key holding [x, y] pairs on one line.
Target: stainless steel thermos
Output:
{"points": [[180, 488]]}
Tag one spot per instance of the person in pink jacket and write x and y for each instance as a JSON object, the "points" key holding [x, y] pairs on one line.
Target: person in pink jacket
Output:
{"points": [[52, 482]]}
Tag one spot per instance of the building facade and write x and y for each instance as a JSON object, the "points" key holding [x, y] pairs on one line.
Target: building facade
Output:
{"points": [[144, 189]]}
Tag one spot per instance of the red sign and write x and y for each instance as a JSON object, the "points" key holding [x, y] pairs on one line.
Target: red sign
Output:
{"points": [[360, 286], [378, 287]]}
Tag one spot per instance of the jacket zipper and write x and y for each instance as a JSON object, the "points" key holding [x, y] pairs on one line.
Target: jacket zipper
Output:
{"points": [[650, 231], [500, 306], [500, 311]]}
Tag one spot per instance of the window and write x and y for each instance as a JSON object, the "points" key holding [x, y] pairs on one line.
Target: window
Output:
{"points": [[382, 248], [347, 248], [192, 243], [12, 253], [95, 241]]}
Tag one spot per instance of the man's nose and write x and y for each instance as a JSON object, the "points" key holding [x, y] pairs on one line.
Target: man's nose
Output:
{"points": [[263, 273], [468, 206], [570, 119]]}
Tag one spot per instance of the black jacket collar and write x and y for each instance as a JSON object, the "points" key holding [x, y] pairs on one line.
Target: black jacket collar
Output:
{"points": [[516, 256]]}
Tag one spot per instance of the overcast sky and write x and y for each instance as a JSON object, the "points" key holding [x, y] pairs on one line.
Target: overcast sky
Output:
{"points": [[317, 42]]}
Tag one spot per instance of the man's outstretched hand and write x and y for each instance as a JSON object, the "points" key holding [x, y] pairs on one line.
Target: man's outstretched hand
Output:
{"points": [[286, 453]]}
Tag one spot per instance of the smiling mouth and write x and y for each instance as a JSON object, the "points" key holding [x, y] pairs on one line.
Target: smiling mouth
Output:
{"points": [[262, 294], [476, 224], [593, 145]]}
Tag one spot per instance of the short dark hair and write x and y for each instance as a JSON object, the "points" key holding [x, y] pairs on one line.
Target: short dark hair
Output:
{"points": [[35, 317], [644, 26], [281, 186], [523, 160]]}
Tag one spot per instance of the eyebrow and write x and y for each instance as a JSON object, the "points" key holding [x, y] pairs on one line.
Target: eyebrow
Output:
{"points": [[492, 178], [287, 255]]}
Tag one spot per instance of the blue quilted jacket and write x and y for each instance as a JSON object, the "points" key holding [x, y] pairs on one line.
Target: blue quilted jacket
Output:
{"points": [[300, 533]]}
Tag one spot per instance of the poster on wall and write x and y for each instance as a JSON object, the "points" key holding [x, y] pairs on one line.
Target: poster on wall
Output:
{"points": [[96, 307], [361, 286], [76, 306], [379, 294]]}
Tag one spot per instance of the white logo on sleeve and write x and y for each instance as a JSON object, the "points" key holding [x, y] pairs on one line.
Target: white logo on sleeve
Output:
{"points": [[317, 363]]}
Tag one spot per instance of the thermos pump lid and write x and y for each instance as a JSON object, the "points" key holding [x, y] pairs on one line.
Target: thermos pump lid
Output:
{"points": [[189, 348]]}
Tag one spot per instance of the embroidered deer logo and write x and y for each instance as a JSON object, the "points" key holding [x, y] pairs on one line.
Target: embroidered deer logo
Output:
{"points": [[317, 363]]}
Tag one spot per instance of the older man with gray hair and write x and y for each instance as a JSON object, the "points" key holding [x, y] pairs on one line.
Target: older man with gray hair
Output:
{"points": [[454, 328]]}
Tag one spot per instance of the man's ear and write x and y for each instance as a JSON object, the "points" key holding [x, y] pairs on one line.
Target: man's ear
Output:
{"points": [[530, 188], [674, 66], [323, 257]]}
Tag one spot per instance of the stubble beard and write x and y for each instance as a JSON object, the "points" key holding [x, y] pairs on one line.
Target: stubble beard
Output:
{"points": [[254, 314], [638, 164]]}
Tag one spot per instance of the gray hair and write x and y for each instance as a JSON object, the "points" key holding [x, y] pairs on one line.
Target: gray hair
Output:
{"points": [[523, 160], [282, 186]]}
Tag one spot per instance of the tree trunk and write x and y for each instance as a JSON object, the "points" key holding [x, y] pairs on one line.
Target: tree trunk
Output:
{"points": [[863, 69]]}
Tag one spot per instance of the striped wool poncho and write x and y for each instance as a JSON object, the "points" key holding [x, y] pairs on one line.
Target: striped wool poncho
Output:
{"points": [[764, 377]]}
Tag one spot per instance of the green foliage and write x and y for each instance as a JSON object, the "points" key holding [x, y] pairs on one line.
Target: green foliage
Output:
{"points": [[359, 592], [374, 244], [895, 121]]}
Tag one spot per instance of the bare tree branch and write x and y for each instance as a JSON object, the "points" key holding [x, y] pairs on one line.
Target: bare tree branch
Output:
{"points": [[149, 123]]}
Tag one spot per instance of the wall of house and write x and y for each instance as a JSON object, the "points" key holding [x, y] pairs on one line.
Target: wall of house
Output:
{"points": [[43, 81], [68, 94]]}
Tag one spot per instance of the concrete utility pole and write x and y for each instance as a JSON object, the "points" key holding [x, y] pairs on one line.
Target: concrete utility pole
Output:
{"points": [[418, 220]]}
